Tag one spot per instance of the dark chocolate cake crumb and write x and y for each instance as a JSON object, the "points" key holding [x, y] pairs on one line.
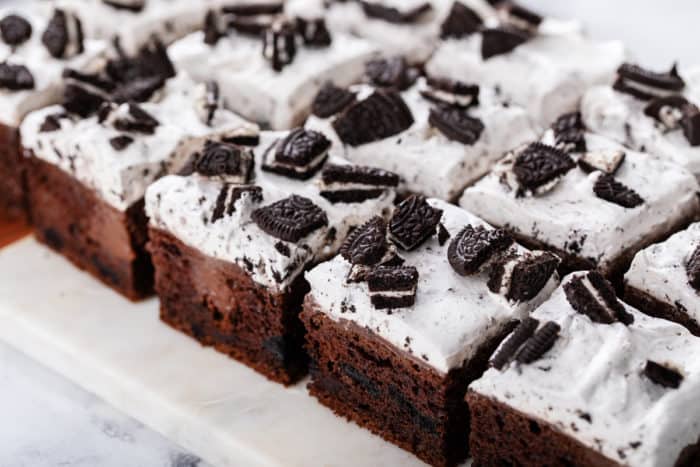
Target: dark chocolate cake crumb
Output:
{"points": [[529, 273], [537, 345], [501, 40], [15, 77], [366, 245], [604, 160], [663, 375], [593, 296], [473, 247], [646, 84], [314, 32], [609, 189], [456, 124], [15, 30], [225, 159], [413, 222], [390, 14], [392, 72], [279, 44], [348, 183], [539, 166], [692, 269], [507, 350], [121, 142], [299, 155], [569, 132], [331, 100], [63, 35], [461, 21], [392, 286], [443, 234], [290, 219], [451, 92], [381, 115]]}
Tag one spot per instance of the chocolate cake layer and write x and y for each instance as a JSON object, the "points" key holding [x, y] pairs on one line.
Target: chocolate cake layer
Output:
{"points": [[71, 219], [219, 305], [12, 183], [655, 307]]}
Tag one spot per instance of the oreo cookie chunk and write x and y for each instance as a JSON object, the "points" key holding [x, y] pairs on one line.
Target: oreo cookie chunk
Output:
{"points": [[63, 37], [133, 6], [279, 44], [314, 32], [383, 114], [609, 189], [366, 245], [538, 168], [604, 160], [539, 344], [208, 101], [506, 351], [456, 124], [390, 14], [592, 295], [520, 17], [121, 142], [473, 247], [393, 72], [690, 123], [520, 278], [667, 110], [414, 221], [451, 92], [79, 101], [290, 219], [461, 22], [213, 28], [15, 30], [569, 132], [392, 286], [130, 118], [299, 155], [15, 77], [663, 375], [331, 100], [692, 269], [51, 123], [232, 197], [254, 8], [501, 40], [229, 162], [645, 84], [354, 183]]}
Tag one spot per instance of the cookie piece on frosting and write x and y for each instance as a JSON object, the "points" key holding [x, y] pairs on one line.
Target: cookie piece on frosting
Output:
{"points": [[300, 154], [413, 222], [355, 183]]}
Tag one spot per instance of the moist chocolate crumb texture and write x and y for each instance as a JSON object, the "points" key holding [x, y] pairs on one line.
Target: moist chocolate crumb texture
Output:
{"points": [[588, 380], [542, 64], [270, 66], [404, 318], [36, 44], [650, 111], [439, 135], [585, 197], [230, 251]]}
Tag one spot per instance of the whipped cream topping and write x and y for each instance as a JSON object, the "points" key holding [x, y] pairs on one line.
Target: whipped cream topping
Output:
{"points": [[453, 315], [548, 74], [572, 218], [252, 88], [427, 161], [660, 271], [591, 387], [183, 206], [46, 70], [82, 147]]}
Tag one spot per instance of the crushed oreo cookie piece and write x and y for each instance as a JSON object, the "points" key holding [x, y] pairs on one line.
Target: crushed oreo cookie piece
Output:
{"points": [[228, 161], [692, 269], [392, 286], [314, 32], [456, 124], [520, 278], [79, 101], [133, 6], [569, 132], [451, 92], [461, 22], [138, 90], [520, 17], [208, 101], [212, 29], [150, 62], [414, 221], [690, 123], [663, 375], [243, 8], [366, 245], [501, 40], [279, 44], [15, 30], [290, 219], [95, 80], [383, 114], [604, 160], [392, 72], [15, 77], [331, 100], [63, 37], [443, 234], [645, 84], [51, 123], [299, 155], [354, 184], [473, 247], [539, 344], [121, 142], [539, 167], [613, 191], [230, 195], [392, 14], [592, 295], [130, 118], [667, 110], [509, 347]]}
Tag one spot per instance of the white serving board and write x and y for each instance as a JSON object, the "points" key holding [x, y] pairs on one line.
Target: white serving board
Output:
{"points": [[211, 405]]}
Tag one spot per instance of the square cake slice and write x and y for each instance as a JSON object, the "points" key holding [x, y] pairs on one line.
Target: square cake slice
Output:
{"points": [[406, 316], [230, 242], [588, 380]]}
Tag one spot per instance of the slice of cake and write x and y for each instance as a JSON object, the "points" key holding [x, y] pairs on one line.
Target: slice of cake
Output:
{"points": [[92, 159], [271, 65], [231, 239], [585, 197], [650, 111], [406, 316], [439, 135], [589, 381], [36, 44], [540, 63], [664, 279]]}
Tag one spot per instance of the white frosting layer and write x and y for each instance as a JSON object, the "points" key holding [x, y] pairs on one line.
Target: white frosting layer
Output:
{"points": [[46, 70], [82, 147], [660, 271], [572, 218], [596, 370], [427, 161], [453, 315], [547, 75], [183, 207], [252, 88]]}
